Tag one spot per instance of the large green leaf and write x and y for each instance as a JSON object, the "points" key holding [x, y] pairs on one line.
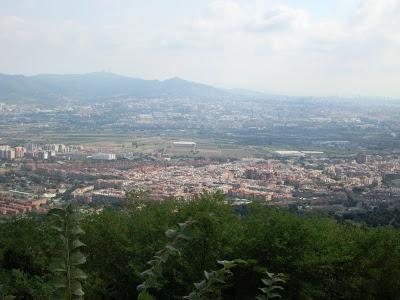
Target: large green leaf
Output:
{"points": [[57, 228], [76, 230], [77, 258], [77, 289], [170, 233], [77, 243], [60, 282], [58, 265], [77, 273]]}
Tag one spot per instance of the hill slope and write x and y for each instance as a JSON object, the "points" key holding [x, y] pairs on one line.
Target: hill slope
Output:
{"points": [[48, 88]]}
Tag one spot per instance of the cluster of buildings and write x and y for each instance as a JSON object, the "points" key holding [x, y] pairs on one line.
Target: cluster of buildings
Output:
{"points": [[36, 151], [47, 151], [103, 192], [9, 205], [309, 182], [10, 153]]}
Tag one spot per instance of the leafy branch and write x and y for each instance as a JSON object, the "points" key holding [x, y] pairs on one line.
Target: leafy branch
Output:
{"points": [[272, 286], [153, 275], [213, 283], [67, 274]]}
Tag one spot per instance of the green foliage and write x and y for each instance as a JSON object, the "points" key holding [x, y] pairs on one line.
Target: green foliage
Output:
{"points": [[144, 295], [378, 217], [22, 286], [119, 244], [25, 245], [65, 267], [320, 258], [214, 282], [153, 275], [272, 286]]}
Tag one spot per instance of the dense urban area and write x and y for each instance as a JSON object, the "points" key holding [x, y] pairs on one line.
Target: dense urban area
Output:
{"points": [[334, 155]]}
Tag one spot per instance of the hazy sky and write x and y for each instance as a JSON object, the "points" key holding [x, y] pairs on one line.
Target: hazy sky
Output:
{"points": [[304, 47]]}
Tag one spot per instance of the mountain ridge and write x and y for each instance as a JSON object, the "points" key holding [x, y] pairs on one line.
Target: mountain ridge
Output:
{"points": [[89, 87]]}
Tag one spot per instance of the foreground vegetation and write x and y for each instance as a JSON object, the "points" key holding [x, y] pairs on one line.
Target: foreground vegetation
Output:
{"points": [[139, 247]]}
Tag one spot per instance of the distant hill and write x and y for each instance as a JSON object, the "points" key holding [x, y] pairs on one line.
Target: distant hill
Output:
{"points": [[86, 88]]}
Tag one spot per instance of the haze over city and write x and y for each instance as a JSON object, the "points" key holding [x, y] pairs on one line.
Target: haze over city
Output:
{"points": [[291, 47]]}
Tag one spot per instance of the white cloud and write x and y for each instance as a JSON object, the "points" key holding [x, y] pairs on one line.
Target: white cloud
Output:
{"points": [[265, 45], [287, 46], [281, 18], [10, 26]]}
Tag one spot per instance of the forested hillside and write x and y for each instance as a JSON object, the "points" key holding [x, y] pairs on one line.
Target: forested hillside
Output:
{"points": [[318, 258]]}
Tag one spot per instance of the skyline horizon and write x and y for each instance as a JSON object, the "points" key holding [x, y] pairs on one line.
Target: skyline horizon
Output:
{"points": [[227, 88], [291, 47]]}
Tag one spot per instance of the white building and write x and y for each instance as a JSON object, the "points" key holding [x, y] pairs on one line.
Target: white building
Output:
{"points": [[104, 156], [185, 144]]}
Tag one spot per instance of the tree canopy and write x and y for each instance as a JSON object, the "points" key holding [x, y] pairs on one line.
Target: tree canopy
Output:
{"points": [[317, 257]]}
